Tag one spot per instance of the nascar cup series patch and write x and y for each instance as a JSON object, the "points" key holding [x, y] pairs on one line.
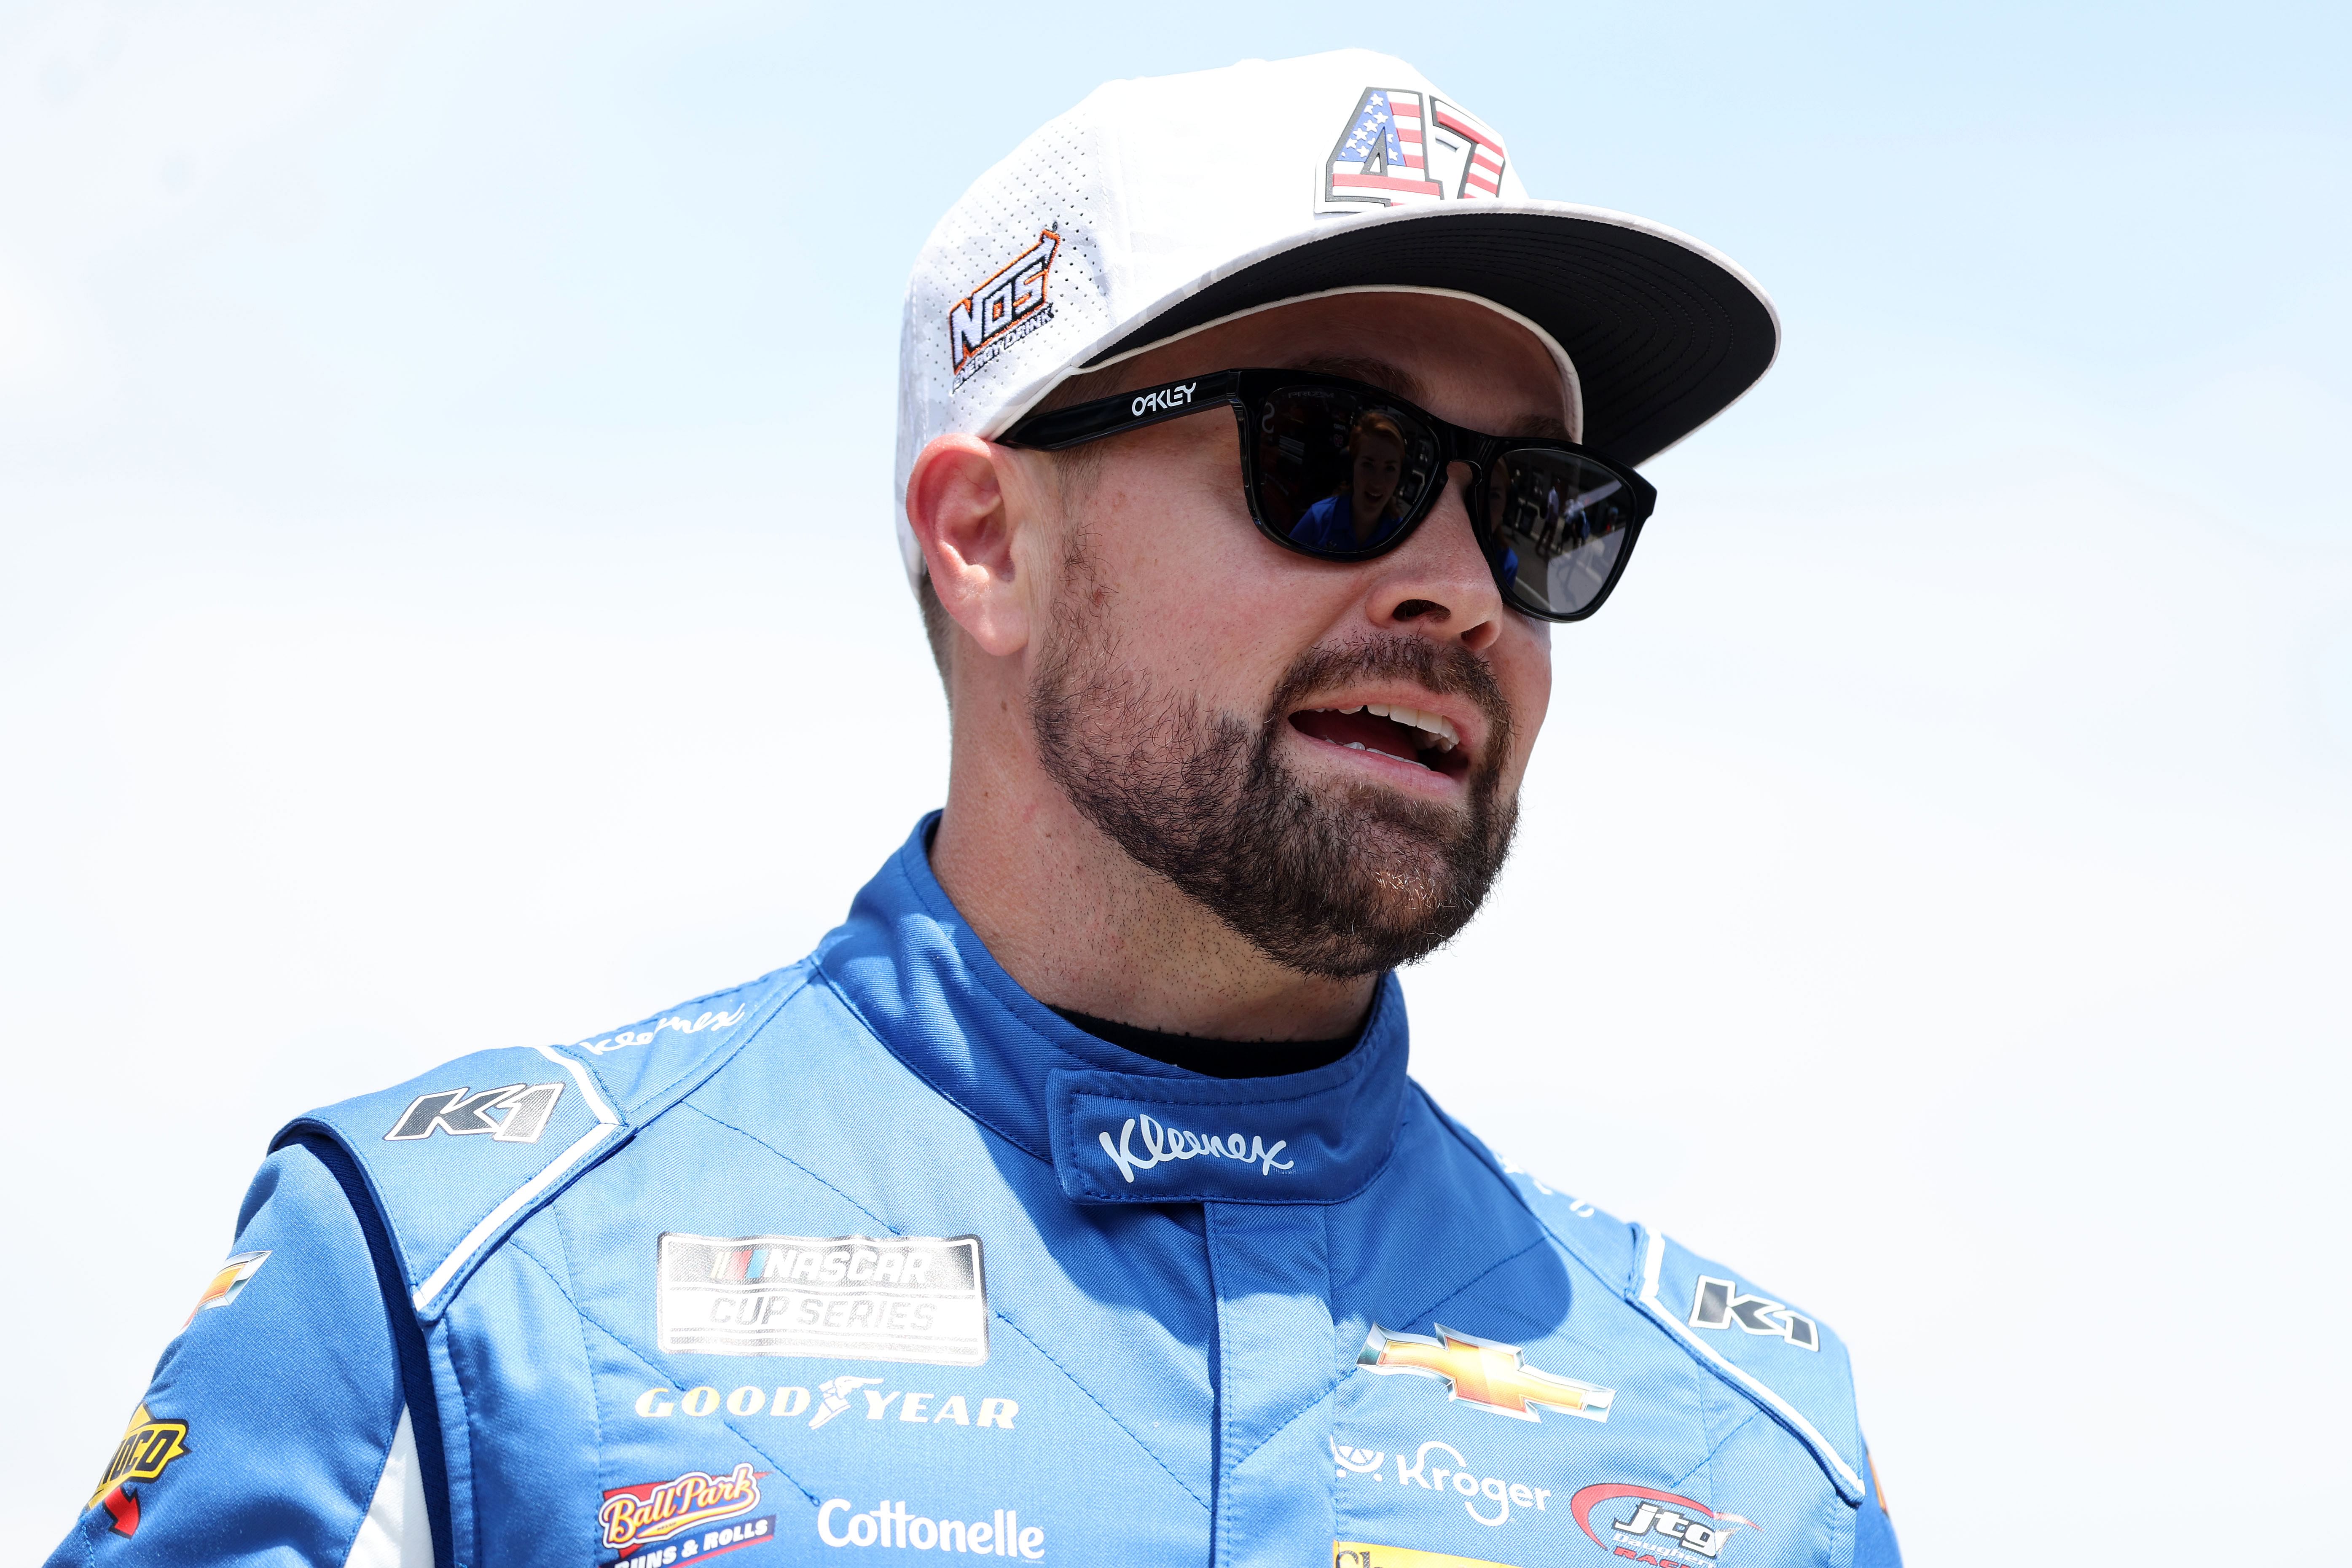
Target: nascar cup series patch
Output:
{"points": [[901, 1298]]}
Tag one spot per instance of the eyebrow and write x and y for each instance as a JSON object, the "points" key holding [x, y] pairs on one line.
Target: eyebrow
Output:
{"points": [[1379, 371], [1405, 384], [1544, 426]]}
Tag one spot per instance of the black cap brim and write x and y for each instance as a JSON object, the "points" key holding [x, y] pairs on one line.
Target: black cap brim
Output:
{"points": [[1664, 334]]}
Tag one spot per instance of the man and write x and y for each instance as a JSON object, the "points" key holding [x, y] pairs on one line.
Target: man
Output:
{"points": [[1359, 515], [1070, 1203]]}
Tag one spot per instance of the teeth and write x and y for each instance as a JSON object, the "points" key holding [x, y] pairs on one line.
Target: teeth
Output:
{"points": [[1442, 732], [1355, 745], [1443, 736]]}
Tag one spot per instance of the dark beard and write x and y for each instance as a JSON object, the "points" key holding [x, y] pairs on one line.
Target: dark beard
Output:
{"points": [[1348, 882]]}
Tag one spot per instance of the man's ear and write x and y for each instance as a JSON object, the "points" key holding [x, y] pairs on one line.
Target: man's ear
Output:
{"points": [[963, 503]]}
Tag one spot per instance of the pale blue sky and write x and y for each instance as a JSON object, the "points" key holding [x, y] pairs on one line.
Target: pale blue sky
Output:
{"points": [[447, 598]]}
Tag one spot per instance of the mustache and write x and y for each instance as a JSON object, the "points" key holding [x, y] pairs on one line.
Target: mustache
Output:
{"points": [[1449, 669]]}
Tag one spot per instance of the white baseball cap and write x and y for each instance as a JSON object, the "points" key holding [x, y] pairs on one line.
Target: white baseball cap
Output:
{"points": [[1166, 204]]}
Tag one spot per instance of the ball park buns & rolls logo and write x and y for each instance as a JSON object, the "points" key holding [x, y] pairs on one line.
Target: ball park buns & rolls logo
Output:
{"points": [[636, 1518]]}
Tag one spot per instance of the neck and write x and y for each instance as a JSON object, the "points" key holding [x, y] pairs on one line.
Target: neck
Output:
{"points": [[1082, 927]]}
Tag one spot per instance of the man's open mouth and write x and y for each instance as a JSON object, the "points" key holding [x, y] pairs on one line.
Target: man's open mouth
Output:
{"points": [[1408, 734]]}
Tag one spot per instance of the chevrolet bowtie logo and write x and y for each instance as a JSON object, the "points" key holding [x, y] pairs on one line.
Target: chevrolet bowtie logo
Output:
{"points": [[1482, 1372]]}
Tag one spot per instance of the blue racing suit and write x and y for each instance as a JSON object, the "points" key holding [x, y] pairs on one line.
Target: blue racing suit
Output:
{"points": [[680, 1290]]}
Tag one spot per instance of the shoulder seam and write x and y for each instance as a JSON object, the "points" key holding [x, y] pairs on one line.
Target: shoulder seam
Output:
{"points": [[608, 1123], [1842, 1474]]}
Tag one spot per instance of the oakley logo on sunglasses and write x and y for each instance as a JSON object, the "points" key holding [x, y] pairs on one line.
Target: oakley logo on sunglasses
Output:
{"points": [[1165, 398]]}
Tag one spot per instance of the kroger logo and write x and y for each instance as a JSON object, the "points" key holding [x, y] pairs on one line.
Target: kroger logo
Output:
{"points": [[1489, 1500]]}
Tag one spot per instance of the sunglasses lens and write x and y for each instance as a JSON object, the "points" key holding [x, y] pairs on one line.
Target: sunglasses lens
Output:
{"points": [[1559, 526], [1339, 472]]}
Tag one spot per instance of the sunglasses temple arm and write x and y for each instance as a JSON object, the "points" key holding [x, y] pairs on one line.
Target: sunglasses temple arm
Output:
{"points": [[1066, 428]]}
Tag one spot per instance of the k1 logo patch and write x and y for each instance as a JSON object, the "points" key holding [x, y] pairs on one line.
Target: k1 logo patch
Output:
{"points": [[1720, 1303], [516, 1113], [900, 1298]]}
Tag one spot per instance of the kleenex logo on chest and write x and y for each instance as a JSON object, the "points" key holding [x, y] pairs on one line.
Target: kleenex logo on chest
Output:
{"points": [[1159, 1145], [898, 1297]]}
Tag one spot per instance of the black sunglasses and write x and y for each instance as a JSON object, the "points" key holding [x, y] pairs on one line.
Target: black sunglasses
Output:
{"points": [[1342, 470]]}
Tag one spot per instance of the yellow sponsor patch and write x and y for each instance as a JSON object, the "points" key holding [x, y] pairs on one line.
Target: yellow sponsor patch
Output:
{"points": [[147, 1445], [1362, 1554]]}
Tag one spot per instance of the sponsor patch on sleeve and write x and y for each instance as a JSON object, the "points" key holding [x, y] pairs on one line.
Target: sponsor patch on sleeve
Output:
{"points": [[149, 1445], [228, 1283], [901, 1298]]}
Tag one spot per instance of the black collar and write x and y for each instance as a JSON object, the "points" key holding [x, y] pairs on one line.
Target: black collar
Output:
{"points": [[1216, 1059]]}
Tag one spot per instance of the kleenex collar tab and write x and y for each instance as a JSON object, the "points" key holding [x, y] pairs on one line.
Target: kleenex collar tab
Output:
{"points": [[1304, 1138]]}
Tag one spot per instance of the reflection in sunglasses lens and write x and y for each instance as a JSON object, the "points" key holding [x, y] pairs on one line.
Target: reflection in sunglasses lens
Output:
{"points": [[1558, 524], [1338, 473]]}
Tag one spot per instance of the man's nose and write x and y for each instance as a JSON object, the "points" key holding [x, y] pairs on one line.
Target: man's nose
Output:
{"points": [[1437, 582]]}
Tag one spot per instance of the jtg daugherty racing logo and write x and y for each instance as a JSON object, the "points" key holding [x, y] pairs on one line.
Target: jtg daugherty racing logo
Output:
{"points": [[1162, 1144], [1659, 1527]]}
